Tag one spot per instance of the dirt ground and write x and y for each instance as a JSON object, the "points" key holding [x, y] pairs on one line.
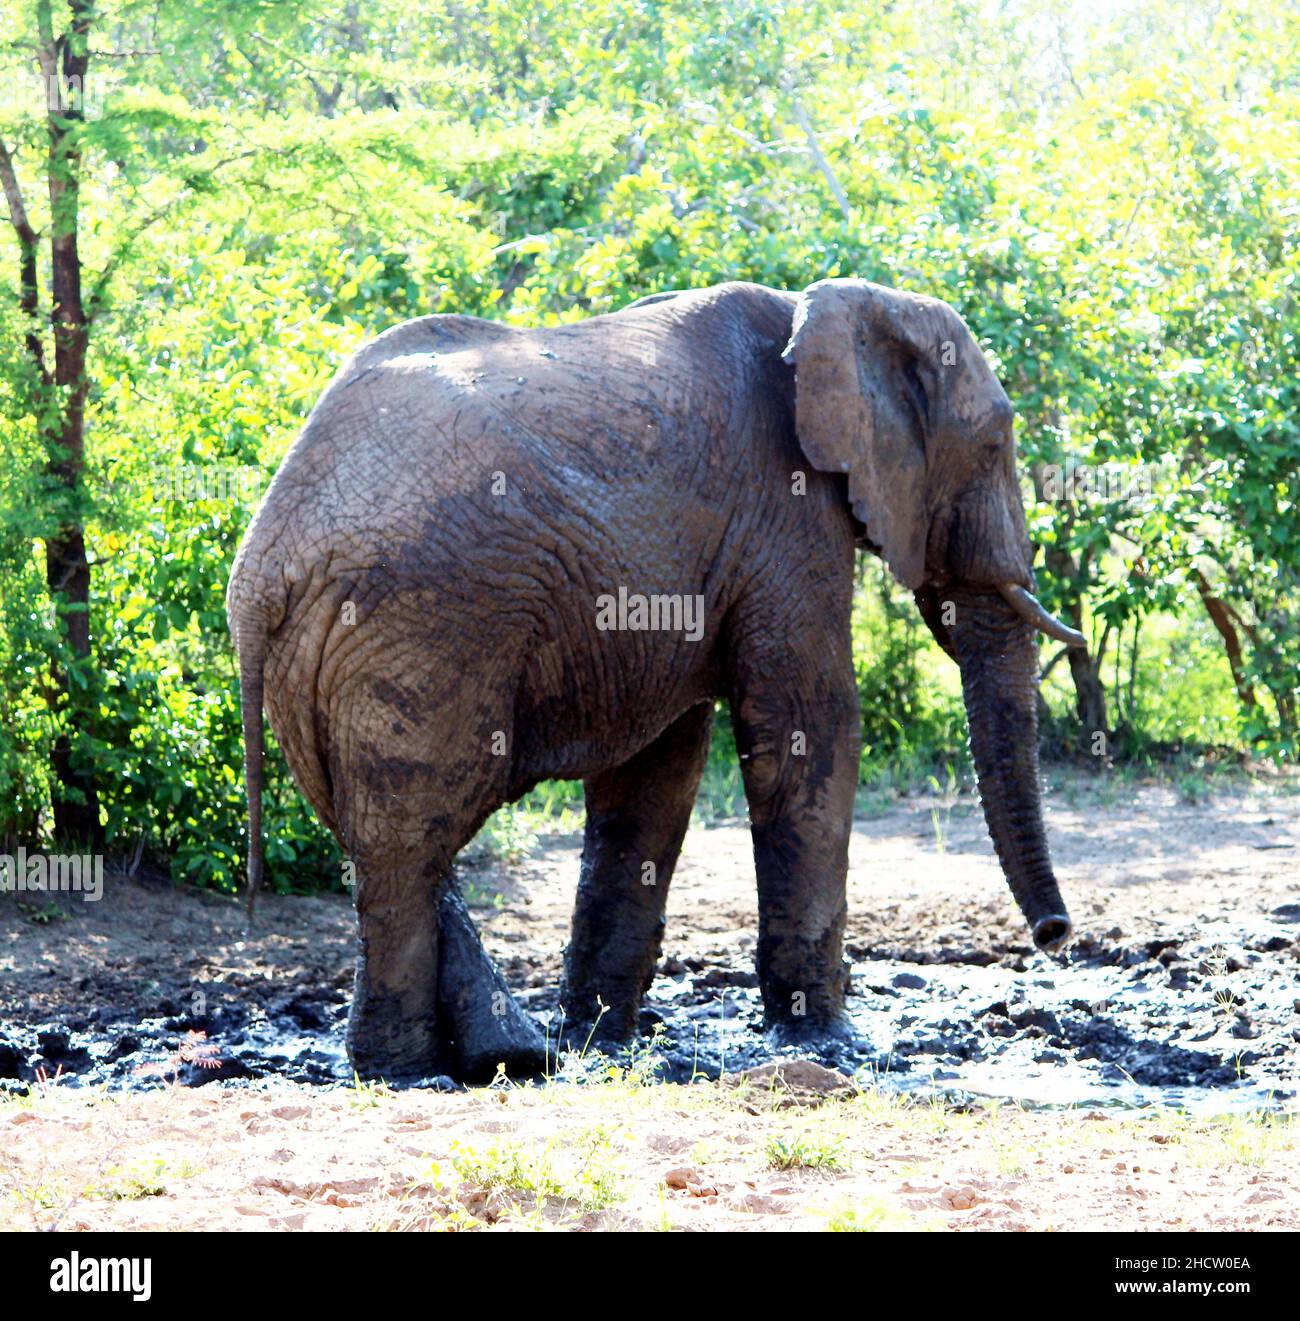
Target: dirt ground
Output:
{"points": [[1150, 1075], [618, 1156]]}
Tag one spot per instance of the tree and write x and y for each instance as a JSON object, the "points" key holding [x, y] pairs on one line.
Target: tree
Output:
{"points": [[64, 62]]}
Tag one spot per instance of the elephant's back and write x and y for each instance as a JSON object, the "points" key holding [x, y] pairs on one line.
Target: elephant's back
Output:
{"points": [[458, 451], [439, 405], [454, 408]]}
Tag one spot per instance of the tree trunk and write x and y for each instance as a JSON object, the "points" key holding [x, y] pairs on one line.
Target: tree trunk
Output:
{"points": [[1221, 617], [67, 569], [1085, 668]]}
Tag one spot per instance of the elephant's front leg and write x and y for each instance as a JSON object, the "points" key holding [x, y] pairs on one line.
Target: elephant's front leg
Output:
{"points": [[637, 815], [797, 732]]}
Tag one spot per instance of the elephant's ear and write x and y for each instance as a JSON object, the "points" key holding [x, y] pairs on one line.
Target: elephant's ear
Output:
{"points": [[863, 392]]}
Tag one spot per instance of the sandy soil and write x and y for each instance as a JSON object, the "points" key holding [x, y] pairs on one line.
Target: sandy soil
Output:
{"points": [[1160, 889], [617, 1156]]}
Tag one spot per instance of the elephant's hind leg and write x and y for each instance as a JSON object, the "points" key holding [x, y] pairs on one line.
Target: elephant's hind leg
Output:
{"points": [[393, 1021], [637, 816], [480, 1022], [426, 997]]}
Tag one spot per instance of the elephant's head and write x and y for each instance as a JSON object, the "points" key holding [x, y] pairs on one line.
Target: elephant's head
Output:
{"points": [[892, 390]]}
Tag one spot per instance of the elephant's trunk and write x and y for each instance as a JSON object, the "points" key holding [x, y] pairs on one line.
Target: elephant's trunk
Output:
{"points": [[999, 672]]}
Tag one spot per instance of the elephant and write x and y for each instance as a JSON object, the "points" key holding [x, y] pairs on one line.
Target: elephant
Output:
{"points": [[496, 556]]}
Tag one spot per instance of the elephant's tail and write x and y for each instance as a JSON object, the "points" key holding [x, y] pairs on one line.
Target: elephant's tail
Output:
{"points": [[250, 642]]}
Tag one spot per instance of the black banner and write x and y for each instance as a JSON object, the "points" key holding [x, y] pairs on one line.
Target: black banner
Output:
{"points": [[92, 1271]]}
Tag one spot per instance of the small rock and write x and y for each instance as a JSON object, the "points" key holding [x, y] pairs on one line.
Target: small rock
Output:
{"points": [[54, 1045], [683, 1177], [795, 1076], [727, 977], [127, 1044], [690, 1180], [307, 1015]]}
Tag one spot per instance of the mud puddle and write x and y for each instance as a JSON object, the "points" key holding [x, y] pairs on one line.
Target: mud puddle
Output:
{"points": [[1182, 987], [1206, 1025], [1199, 1028]]}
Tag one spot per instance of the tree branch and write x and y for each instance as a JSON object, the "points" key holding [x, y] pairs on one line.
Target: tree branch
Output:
{"points": [[1221, 616], [708, 115], [1051, 664], [29, 295], [814, 148], [100, 288]]}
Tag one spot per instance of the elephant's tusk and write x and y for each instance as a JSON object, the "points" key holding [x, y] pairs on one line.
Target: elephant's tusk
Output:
{"points": [[1030, 609]]}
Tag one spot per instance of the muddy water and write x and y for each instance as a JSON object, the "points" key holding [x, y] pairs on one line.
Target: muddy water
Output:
{"points": [[1207, 1023]]}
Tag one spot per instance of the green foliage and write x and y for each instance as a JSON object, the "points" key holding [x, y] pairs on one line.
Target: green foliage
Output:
{"points": [[1108, 196], [805, 1151], [909, 691]]}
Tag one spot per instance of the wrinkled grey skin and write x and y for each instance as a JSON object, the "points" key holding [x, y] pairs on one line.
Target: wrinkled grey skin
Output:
{"points": [[416, 599]]}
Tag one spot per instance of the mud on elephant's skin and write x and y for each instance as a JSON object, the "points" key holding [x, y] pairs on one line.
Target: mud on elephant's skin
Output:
{"points": [[417, 601]]}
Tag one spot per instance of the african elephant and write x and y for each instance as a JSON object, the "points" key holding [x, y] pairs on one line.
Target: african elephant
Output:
{"points": [[497, 556]]}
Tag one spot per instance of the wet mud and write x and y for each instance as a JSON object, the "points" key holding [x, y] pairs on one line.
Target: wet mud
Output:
{"points": [[1182, 987]]}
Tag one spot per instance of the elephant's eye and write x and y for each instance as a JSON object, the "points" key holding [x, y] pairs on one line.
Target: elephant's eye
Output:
{"points": [[989, 456]]}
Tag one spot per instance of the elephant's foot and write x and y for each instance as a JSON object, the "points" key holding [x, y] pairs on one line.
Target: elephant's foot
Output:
{"points": [[819, 1035], [599, 1027], [384, 1041], [456, 1019], [601, 1011], [480, 1022]]}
